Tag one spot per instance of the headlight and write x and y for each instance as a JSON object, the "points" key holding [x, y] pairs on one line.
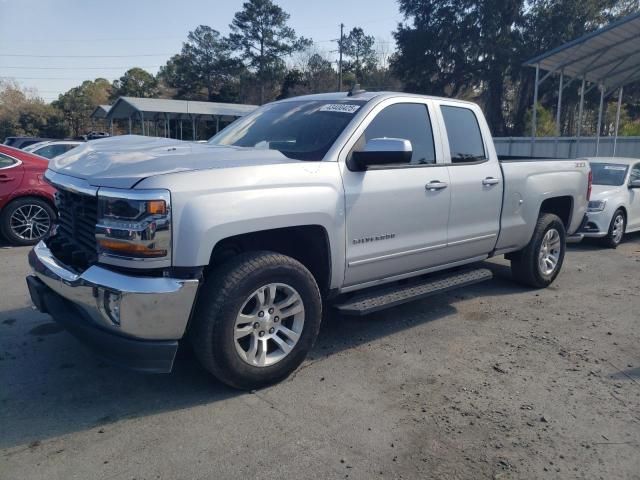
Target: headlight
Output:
{"points": [[134, 225], [597, 205]]}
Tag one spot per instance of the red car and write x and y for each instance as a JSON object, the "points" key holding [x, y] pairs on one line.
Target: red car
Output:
{"points": [[27, 208]]}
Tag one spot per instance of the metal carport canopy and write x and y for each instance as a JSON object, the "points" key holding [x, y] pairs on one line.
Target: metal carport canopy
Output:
{"points": [[126, 107], [100, 111], [608, 57]]}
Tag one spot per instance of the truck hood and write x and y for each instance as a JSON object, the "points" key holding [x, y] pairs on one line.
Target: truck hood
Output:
{"points": [[121, 162]]}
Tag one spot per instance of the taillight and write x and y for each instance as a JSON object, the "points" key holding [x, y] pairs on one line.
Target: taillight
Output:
{"points": [[590, 183]]}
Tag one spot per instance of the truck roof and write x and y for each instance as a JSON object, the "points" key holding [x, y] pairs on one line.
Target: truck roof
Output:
{"points": [[366, 96]]}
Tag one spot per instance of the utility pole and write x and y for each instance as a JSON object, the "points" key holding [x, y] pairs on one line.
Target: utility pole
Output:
{"points": [[340, 55]]}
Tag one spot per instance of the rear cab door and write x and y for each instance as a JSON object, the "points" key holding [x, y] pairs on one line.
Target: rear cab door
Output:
{"points": [[476, 180]]}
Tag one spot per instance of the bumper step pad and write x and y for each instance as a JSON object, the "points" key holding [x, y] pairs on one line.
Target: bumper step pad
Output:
{"points": [[386, 297]]}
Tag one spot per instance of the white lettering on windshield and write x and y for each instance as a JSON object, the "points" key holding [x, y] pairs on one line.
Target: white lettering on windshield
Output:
{"points": [[339, 107]]}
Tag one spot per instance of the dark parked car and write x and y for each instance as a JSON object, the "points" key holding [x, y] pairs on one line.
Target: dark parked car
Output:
{"points": [[27, 209], [21, 142]]}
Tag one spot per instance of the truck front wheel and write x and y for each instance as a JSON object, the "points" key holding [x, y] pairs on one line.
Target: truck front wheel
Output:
{"points": [[538, 264], [256, 318]]}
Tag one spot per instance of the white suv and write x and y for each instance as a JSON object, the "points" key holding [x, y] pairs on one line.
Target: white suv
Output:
{"points": [[614, 208]]}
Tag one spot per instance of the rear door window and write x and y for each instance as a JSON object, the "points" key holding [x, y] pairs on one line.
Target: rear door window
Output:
{"points": [[463, 132]]}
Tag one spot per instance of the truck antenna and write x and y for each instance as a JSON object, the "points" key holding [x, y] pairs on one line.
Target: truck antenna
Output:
{"points": [[355, 90]]}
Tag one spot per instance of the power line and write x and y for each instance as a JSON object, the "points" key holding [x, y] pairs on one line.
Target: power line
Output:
{"points": [[80, 68], [85, 56], [44, 78]]}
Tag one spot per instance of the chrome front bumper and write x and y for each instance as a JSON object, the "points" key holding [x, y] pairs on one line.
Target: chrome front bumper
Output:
{"points": [[142, 308]]}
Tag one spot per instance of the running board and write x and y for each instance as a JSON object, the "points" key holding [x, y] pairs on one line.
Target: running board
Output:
{"points": [[386, 297]]}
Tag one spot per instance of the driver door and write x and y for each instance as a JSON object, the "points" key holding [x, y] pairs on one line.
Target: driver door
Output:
{"points": [[395, 223]]}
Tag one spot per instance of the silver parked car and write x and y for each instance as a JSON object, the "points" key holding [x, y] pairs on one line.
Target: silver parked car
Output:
{"points": [[614, 208], [51, 149]]}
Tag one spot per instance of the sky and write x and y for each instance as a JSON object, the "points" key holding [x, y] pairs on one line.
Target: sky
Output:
{"points": [[53, 45]]}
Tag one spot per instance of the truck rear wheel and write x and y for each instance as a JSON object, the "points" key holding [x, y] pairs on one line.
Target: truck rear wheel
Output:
{"points": [[538, 264], [256, 318]]}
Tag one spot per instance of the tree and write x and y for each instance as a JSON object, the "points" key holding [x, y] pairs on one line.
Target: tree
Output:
{"points": [[204, 64], [259, 32], [136, 82], [358, 48], [476, 48], [76, 104], [22, 112]]}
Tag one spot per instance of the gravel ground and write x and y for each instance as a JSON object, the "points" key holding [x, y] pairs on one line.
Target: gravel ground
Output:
{"points": [[493, 381]]}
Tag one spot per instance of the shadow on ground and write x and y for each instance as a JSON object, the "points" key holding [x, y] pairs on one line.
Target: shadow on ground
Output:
{"points": [[53, 385]]}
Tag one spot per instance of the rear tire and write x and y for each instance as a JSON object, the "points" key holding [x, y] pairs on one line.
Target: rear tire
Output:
{"points": [[236, 331], [616, 230], [539, 263], [26, 220]]}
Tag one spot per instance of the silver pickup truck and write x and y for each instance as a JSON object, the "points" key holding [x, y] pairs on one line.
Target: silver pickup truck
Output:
{"points": [[355, 201]]}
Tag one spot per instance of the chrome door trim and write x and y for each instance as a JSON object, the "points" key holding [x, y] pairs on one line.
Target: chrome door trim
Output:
{"points": [[364, 261], [415, 273], [473, 239]]}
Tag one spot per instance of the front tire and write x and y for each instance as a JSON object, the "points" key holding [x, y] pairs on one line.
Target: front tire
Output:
{"points": [[256, 318], [25, 221], [539, 263], [616, 230]]}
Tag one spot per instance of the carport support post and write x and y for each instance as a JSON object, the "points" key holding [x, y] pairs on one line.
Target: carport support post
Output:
{"points": [[558, 112], [599, 119], [615, 138], [111, 126], [534, 114], [580, 110], [129, 125], [142, 122], [217, 124], [193, 126], [180, 129]]}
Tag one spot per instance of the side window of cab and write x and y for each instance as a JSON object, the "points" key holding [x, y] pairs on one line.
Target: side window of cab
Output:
{"points": [[635, 173], [407, 121]]}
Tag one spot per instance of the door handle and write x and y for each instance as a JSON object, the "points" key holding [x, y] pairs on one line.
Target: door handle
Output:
{"points": [[5, 178], [490, 181], [436, 185]]}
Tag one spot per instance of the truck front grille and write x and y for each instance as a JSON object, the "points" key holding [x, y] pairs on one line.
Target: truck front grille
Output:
{"points": [[74, 242]]}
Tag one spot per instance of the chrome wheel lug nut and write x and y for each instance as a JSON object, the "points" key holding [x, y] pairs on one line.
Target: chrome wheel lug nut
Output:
{"points": [[271, 310], [276, 319], [261, 314], [256, 325], [271, 330], [261, 334]]}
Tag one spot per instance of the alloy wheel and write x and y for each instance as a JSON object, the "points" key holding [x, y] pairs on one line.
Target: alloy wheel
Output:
{"points": [[269, 324], [30, 222], [549, 254]]}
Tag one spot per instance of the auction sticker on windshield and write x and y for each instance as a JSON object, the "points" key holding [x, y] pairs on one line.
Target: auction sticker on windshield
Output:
{"points": [[615, 167], [339, 107]]}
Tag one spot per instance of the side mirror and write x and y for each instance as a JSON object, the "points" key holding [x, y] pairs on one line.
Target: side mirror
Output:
{"points": [[634, 184], [381, 151]]}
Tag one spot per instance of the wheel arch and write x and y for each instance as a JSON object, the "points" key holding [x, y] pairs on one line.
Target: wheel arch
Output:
{"points": [[309, 244], [562, 206]]}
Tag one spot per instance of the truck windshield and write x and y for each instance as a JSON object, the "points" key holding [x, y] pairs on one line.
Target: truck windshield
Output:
{"points": [[302, 130], [609, 173]]}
